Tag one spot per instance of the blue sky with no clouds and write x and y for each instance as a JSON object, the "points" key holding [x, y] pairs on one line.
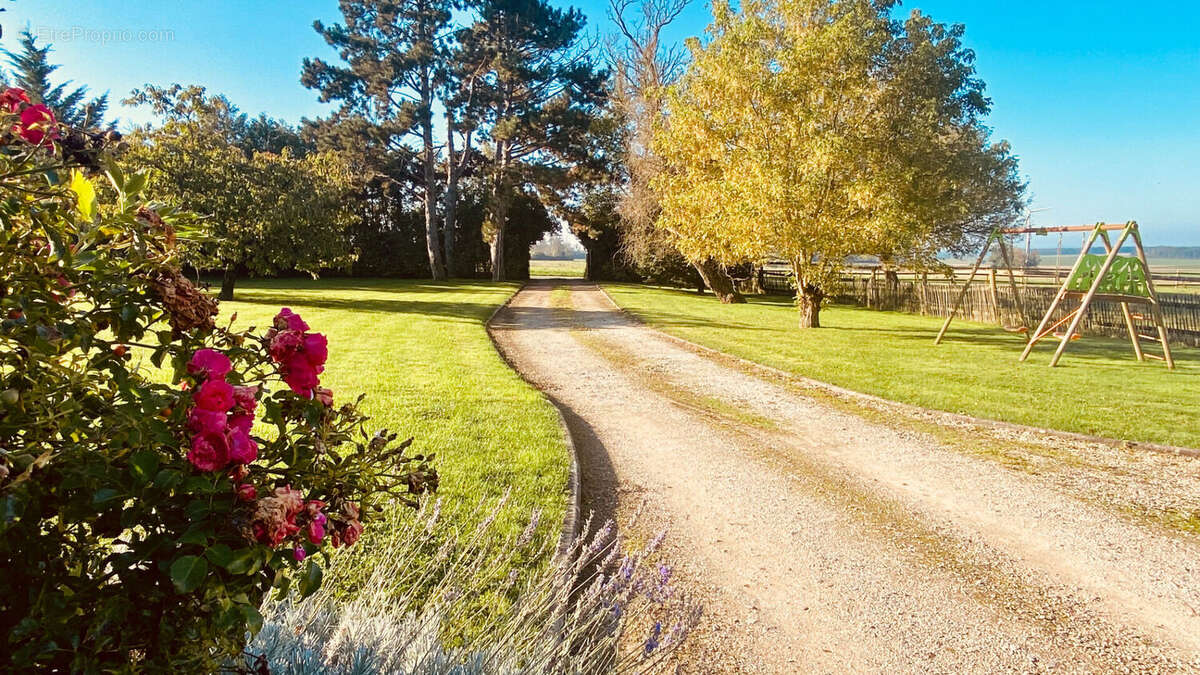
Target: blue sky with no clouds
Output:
{"points": [[1101, 100]]}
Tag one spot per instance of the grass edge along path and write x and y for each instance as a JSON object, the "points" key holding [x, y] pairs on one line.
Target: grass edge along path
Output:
{"points": [[420, 352], [1098, 389]]}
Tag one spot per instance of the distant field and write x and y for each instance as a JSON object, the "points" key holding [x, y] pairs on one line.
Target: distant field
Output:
{"points": [[1157, 265], [570, 269]]}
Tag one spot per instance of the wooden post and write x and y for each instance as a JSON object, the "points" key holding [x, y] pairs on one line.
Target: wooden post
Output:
{"points": [[924, 292], [1062, 292], [963, 293], [995, 293], [1087, 298], [1156, 309], [1012, 282], [1125, 313], [1133, 334]]}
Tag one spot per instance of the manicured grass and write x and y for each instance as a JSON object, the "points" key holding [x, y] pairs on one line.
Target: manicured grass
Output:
{"points": [[1098, 388], [420, 353], [570, 269]]}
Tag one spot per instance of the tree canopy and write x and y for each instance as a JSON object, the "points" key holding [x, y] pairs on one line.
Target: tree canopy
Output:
{"points": [[265, 212], [535, 92], [393, 57], [811, 130]]}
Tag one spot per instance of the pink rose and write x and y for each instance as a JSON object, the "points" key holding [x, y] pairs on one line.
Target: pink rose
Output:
{"points": [[286, 319], [209, 452], [37, 123], [246, 398], [300, 375], [242, 448], [284, 344], [325, 396], [241, 422], [215, 395], [13, 98], [210, 363], [201, 421], [316, 349], [246, 492], [316, 531]]}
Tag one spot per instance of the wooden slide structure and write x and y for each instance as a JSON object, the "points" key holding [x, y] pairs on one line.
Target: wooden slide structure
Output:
{"points": [[1111, 276]]}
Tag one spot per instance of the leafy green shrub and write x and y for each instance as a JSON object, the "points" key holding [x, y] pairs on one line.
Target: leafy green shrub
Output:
{"points": [[142, 523]]}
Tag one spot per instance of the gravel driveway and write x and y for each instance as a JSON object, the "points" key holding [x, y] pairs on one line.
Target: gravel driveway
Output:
{"points": [[822, 540]]}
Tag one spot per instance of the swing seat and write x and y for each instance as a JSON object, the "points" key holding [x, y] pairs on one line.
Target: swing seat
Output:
{"points": [[1061, 335], [1021, 330]]}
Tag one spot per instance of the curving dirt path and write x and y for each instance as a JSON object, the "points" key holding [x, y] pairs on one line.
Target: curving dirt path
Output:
{"points": [[825, 540]]}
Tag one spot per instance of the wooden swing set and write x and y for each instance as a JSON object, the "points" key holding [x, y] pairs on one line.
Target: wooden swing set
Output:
{"points": [[1114, 277]]}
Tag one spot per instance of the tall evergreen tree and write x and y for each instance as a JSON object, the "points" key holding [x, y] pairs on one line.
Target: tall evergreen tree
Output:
{"points": [[391, 56], [535, 94], [31, 70]]}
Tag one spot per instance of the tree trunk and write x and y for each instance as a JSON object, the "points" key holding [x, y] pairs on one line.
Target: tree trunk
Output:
{"points": [[809, 296], [433, 240], [500, 197], [718, 280], [450, 200], [500, 224], [227, 282], [809, 299], [498, 261]]}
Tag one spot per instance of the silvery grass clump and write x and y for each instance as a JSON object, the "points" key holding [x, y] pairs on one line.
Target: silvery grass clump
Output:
{"points": [[598, 607]]}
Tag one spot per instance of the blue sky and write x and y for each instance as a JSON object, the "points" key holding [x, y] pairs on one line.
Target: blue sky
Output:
{"points": [[1101, 99]]}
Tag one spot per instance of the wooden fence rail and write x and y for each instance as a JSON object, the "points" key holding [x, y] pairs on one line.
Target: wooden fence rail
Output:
{"points": [[997, 305]]}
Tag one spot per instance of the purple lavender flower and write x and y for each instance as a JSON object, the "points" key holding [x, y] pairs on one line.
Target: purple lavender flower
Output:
{"points": [[652, 641]]}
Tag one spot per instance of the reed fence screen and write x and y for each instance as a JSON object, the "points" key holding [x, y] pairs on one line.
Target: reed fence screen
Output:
{"points": [[988, 304]]}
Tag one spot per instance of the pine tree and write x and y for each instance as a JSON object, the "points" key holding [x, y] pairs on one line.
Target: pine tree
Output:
{"points": [[31, 70], [392, 56], [535, 95]]}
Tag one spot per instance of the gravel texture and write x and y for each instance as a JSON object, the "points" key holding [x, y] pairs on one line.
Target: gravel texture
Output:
{"points": [[829, 539]]}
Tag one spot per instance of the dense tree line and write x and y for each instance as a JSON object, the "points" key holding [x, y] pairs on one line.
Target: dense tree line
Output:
{"points": [[519, 95], [463, 132]]}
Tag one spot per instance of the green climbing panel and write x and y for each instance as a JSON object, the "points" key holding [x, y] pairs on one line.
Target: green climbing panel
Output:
{"points": [[1127, 276]]}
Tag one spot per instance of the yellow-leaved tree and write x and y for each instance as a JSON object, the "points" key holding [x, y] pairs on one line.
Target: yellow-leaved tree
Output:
{"points": [[812, 130]]}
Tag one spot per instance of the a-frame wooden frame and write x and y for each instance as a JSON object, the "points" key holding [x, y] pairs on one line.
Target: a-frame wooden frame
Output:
{"points": [[1075, 317], [996, 237]]}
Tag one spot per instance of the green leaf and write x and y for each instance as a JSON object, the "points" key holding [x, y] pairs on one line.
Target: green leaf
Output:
{"points": [[167, 479], [254, 620], [143, 464], [220, 555], [85, 194], [188, 572], [310, 580], [104, 495], [196, 534], [135, 183], [245, 561]]}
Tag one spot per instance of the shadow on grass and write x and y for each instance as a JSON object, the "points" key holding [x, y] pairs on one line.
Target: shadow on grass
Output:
{"points": [[472, 311], [1089, 351]]}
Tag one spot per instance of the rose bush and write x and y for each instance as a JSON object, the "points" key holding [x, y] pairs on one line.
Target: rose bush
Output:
{"points": [[142, 522]]}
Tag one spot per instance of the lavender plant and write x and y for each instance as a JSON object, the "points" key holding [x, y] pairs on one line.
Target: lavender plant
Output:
{"points": [[601, 606]]}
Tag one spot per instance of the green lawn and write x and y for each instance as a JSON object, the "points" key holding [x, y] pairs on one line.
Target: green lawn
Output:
{"points": [[571, 269], [420, 352], [1097, 388]]}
